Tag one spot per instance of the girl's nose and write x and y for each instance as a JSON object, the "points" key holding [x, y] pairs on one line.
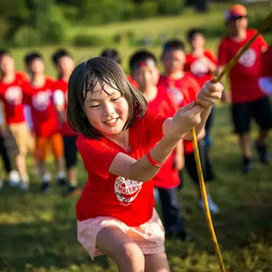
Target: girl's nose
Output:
{"points": [[108, 109]]}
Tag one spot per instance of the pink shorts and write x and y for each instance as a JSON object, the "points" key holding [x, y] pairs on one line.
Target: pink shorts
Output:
{"points": [[148, 236]]}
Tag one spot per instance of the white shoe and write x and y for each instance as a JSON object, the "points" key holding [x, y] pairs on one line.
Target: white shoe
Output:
{"points": [[214, 209], [13, 178]]}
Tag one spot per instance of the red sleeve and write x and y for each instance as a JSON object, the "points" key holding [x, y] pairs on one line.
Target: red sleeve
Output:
{"points": [[210, 55], [222, 53], [97, 155]]}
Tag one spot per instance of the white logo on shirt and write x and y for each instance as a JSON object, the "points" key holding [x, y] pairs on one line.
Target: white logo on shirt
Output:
{"points": [[248, 58], [41, 100], [126, 190], [199, 67], [176, 94], [14, 95]]}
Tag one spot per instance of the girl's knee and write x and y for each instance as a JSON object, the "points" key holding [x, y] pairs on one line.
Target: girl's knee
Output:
{"points": [[131, 258]]}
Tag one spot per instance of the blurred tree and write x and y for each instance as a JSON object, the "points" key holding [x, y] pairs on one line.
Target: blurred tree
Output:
{"points": [[41, 21], [199, 5]]}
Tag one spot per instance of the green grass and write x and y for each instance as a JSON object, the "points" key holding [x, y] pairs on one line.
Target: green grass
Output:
{"points": [[38, 232]]}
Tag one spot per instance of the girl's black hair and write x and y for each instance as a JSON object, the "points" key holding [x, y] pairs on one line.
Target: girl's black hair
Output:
{"points": [[84, 78]]}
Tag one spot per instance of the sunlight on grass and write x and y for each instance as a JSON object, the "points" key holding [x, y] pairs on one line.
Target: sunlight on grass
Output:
{"points": [[16, 218]]}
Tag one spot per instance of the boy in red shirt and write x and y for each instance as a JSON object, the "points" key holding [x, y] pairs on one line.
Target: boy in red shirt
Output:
{"points": [[201, 62], [64, 64], [144, 71], [265, 81], [247, 99], [39, 95], [184, 88], [17, 132]]}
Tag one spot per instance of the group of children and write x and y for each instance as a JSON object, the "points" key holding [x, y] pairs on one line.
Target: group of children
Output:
{"points": [[34, 116], [133, 132]]}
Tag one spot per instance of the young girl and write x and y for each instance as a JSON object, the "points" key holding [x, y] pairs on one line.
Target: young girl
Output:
{"points": [[123, 146]]}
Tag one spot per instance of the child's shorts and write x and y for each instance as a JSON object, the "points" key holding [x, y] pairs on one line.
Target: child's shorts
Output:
{"points": [[56, 144], [21, 140], [148, 236]]}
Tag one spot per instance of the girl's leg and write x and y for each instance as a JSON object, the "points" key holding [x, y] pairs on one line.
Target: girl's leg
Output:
{"points": [[117, 245], [156, 262]]}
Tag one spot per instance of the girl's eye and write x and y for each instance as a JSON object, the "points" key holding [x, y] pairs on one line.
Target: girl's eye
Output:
{"points": [[115, 98], [95, 106]]}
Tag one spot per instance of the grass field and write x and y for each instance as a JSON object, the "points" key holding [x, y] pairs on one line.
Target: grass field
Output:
{"points": [[38, 232]]}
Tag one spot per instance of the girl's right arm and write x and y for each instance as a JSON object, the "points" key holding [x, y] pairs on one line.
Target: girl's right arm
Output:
{"points": [[175, 128]]}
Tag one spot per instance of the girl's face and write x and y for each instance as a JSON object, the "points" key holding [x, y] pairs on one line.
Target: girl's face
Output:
{"points": [[173, 61], [107, 110], [146, 76]]}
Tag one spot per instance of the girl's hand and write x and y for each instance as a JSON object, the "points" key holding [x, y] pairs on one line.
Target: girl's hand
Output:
{"points": [[209, 94], [185, 118]]}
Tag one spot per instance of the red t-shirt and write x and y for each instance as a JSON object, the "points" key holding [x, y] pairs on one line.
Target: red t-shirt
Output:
{"points": [[164, 104], [198, 67], [184, 91], [12, 96], [61, 87], [43, 112], [245, 73], [106, 194], [267, 63]]}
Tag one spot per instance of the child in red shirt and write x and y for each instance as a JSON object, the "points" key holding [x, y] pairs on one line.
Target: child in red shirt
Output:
{"points": [[39, 96], [144, 71], [201, 62], [265, 81], [184, 88], [16, 132], [123, 147], [64, 64], [248, 100]]}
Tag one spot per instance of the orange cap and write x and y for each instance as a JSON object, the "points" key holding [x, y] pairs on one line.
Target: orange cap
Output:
{"points": [[235, 11]]}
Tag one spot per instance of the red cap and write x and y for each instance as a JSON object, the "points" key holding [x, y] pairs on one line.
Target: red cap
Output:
{"points": [[235, 11]]}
